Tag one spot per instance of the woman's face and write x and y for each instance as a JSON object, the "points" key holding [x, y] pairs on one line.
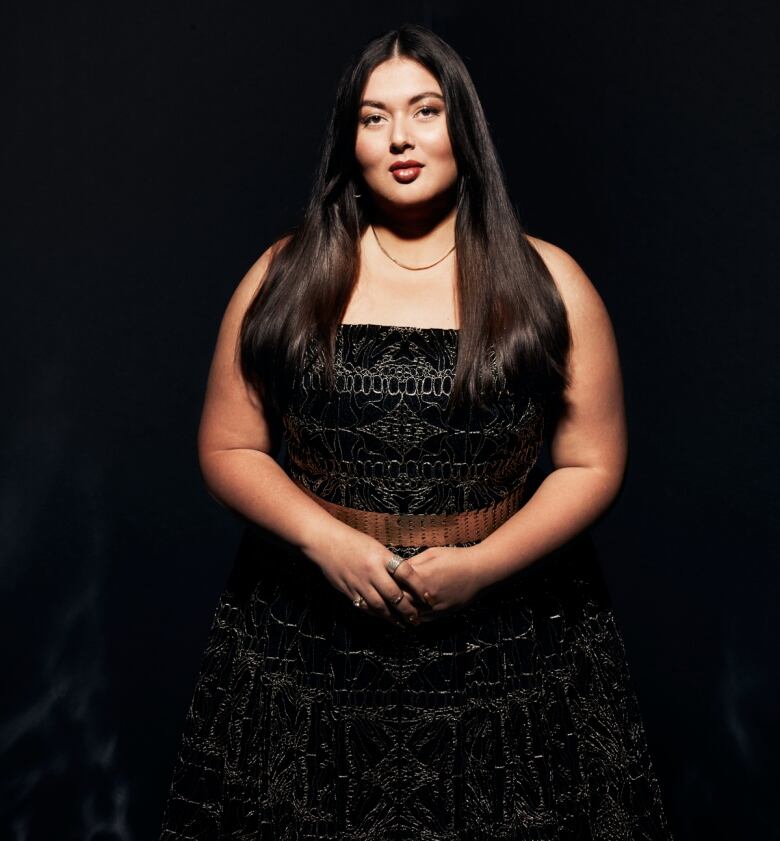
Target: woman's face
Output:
{"points": [[396, 124]]}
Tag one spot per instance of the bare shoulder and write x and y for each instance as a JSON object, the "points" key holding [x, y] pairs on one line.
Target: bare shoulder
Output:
{"points": [[254, 277], [573, 283], [584, 305]]}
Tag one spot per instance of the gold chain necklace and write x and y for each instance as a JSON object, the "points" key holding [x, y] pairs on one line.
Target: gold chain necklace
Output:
{"points": [[413, 268]]}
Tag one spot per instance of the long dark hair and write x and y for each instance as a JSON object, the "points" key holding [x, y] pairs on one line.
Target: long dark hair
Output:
{"points": [[511, 314]]}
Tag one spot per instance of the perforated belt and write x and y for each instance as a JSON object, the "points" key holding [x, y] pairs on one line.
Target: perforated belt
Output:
{"points": [[425, 529]]}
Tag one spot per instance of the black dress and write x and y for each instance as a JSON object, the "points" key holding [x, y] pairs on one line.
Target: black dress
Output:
{"points": [[514, 718]]}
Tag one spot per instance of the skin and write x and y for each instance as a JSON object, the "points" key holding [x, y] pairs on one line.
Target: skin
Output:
{"points": [[415, 223]]}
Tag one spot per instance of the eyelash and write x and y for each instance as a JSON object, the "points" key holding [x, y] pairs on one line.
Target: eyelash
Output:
{"points": [[365, 120]]}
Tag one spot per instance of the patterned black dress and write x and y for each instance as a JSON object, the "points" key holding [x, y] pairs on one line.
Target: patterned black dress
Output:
{"points": [[514, 718]]}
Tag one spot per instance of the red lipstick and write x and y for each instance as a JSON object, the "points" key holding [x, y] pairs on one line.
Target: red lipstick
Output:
{"points": [[406, 171]]}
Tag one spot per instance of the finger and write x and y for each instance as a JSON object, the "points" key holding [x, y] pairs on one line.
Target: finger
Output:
{"points": [[436, 613], [376, 603], [430, 598], [408, 577], [391, 592]]}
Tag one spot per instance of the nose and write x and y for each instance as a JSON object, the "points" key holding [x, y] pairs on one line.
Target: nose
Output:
{"points": [[399, 139]]}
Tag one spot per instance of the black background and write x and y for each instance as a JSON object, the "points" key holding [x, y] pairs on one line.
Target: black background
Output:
{"points": [[151, 152]]}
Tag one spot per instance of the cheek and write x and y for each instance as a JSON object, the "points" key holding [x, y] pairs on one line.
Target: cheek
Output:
{"points": [[367, 152], [437, 146], [440, 147]]}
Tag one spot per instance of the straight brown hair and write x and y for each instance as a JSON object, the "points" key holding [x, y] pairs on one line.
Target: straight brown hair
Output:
{"points": [[510, 310]]}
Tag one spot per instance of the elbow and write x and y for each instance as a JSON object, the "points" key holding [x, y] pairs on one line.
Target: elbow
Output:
{"points": [[205, 465], [213, 469], [208, 481], [610, 467], [609, 481], [220, 467]]}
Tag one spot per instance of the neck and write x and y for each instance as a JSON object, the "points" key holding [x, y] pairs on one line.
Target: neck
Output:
{"points": [[415, 244], [434, 219]]}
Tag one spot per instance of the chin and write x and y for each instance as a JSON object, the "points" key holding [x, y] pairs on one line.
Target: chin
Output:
{"points": [[406, 194]]}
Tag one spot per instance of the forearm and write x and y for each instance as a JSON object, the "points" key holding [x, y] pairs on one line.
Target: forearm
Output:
{"points": [[565, 503], [253, 485]]}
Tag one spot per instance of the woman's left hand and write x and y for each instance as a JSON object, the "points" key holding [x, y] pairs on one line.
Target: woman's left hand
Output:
{"points": [[451, 578]]}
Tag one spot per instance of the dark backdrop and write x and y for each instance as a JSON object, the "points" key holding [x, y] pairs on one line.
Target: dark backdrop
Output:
{"points": [[152, 151]]}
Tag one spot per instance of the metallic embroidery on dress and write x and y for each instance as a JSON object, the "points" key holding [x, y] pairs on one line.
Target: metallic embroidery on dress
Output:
{"points": [[383, 441], [514, 718]]}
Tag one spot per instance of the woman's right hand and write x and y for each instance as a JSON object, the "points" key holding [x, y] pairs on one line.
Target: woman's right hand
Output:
{"points": [[354, 563]]}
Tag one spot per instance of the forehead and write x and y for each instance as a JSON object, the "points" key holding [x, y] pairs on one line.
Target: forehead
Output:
{"points": [[395, 80]]}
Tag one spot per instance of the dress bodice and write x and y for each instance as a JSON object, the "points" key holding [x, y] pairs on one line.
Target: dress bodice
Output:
{"points": [[382, 440]]}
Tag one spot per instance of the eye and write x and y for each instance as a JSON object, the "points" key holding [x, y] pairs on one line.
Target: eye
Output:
{"points": [[369, 120]]}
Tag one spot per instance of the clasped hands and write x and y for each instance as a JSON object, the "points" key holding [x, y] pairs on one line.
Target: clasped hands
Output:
{"points": [[437, 581]]}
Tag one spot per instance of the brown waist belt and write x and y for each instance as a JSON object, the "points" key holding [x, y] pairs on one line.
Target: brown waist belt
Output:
{"points": [[425, 529]]}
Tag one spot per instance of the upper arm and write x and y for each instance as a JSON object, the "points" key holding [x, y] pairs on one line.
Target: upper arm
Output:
{"points": [[592, 428], [232, 415]]}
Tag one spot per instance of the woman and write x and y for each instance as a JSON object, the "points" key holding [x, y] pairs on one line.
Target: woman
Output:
{"points": [[411, 645]]}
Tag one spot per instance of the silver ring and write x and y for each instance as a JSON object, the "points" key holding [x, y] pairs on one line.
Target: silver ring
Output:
{"points": [[359, 601], [393, 564], [398, 598]]}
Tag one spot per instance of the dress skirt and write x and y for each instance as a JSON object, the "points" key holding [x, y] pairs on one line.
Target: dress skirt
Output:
{"points": [[514, 718]]}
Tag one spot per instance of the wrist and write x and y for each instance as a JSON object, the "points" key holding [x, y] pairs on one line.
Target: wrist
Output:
{"points": [[481, 560], [317, 535]]}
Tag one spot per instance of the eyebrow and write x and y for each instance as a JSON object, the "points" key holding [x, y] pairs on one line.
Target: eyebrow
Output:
{"points": [[375, 104]]}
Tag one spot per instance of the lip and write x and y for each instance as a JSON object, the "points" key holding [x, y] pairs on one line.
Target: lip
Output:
{"points": [[405, 165], [406, 175]]}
